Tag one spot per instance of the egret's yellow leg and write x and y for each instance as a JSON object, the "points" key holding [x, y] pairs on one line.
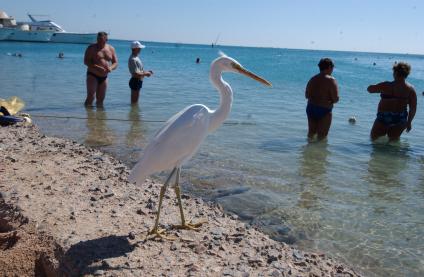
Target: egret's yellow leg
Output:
{"points": [[156, 232], [184, 225]]}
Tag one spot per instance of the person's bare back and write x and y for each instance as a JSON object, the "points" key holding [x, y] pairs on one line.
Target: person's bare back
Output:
{"points": [[322, 90]]}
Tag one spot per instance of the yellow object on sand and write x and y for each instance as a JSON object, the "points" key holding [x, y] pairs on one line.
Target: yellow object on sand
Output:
{"points": [[13, 105]]}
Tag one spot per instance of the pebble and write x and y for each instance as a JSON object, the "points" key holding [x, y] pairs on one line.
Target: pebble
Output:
{"points": [[173, 246], [140, 212], [98, 272]]}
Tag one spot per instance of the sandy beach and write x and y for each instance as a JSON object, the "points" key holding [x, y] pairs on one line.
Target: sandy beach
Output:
{"points": [[68, 210]]}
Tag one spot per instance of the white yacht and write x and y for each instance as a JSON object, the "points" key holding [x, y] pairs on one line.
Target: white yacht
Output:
{"points": [[39, 31], [7, 25], [60, 35], [10, 30], [24, 32]]}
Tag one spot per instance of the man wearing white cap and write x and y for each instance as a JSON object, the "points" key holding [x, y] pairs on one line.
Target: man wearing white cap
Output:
{"points": [[137, 71]]}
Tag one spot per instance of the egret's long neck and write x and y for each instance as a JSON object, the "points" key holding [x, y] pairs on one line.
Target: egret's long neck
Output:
{"points": [[220, 114]]}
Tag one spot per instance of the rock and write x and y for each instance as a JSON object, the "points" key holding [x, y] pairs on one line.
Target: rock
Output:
{"points": [[238, 239], [216, 233], [105, 264], [131, 235], [199, 249], [228, 272], [109, 195], [173, 246], [255, 260], [98, 272], [140, 212], [297, 254], [273, 255]]}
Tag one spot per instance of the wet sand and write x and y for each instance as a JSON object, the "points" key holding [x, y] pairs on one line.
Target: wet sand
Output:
{"points": [[68, 210]]}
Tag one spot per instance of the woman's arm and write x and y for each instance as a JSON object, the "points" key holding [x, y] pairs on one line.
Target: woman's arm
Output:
{"points": [[412, 109], [378, 88]]}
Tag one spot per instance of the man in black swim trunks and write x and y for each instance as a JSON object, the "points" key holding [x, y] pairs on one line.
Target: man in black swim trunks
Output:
{"points": [[100, 59], [322, 92]]}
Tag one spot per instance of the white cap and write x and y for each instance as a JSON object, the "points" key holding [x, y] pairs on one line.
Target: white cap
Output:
{"points": [[137, 44]]}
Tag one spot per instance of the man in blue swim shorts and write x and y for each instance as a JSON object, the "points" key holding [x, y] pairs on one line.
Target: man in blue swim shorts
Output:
{"points": [[135, 66], [322, 92]]}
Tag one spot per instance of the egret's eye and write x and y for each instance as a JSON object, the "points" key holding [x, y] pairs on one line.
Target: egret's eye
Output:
{"points": [[235, 65]]}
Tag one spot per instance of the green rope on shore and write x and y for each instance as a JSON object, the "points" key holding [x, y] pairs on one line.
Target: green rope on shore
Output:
{"points": [[128, 120]]}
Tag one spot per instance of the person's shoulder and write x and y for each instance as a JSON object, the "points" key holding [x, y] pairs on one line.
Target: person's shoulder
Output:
{"points": [[410, 87], [110, 47], [316, 76], [91, 46]]}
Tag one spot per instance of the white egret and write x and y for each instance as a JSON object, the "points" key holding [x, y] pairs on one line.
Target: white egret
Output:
{"points": [[178, 140]]}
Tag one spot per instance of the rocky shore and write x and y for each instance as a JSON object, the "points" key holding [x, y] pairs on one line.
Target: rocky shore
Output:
{"points": [[68, 210]]}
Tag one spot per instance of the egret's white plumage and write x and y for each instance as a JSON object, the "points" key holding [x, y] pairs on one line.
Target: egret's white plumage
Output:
{"points": [[178, 140], [174, 143]]}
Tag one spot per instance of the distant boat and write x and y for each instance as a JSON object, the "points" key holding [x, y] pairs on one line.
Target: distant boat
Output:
{"points": [[23, 32], [216, 41], [60, 35], [7, 25], [39, 31]]}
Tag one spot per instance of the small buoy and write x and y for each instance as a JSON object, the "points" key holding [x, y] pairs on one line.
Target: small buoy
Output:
{"points": [[352, 120]]}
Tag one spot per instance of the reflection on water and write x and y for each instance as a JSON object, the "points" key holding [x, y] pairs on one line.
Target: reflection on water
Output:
{"points": [[98, 134], [313, 167], [135, 132], [386, 163]]}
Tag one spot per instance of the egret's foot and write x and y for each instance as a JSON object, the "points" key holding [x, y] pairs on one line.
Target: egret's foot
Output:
{"points": [[190, 225], [158, 233]]}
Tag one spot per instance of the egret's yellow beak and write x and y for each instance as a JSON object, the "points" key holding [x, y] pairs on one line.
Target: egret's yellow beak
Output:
{"points": [[249, 74]]}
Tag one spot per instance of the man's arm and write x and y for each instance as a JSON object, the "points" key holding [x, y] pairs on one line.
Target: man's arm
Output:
{"points": [[87, 58], [307, 91], [334, 91], [114, 60]]}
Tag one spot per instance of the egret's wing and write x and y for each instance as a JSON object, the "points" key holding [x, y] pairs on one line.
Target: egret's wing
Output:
{"points": [[174, 143]]}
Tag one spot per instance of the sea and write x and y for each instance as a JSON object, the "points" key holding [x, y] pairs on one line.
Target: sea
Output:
{"points": [[358, 201]]}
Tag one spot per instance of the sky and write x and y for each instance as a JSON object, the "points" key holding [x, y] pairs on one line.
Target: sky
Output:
{"points": [[388, 26]]}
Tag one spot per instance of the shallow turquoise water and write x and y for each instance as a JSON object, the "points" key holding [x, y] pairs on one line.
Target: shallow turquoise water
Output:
{"points": [[358, 201]]}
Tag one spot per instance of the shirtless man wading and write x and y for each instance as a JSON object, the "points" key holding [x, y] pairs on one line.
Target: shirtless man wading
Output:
{"points": [[100, 59], [322, 92]]}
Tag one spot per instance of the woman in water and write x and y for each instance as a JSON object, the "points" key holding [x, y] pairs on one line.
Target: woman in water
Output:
{"points": [[392, 116]]}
